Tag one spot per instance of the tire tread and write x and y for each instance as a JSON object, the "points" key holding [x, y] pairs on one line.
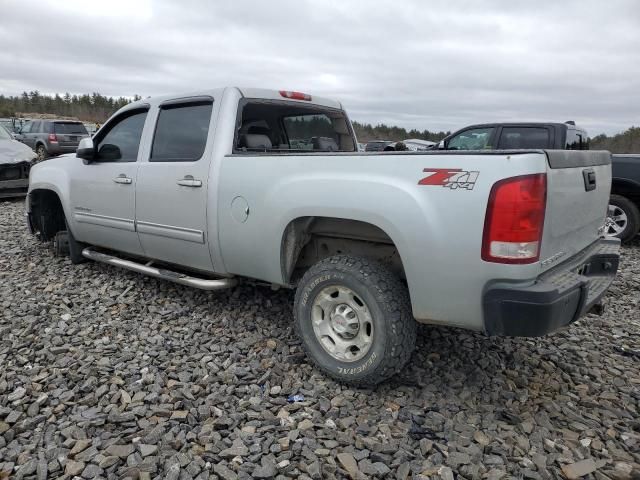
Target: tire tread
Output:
{"points": [[393, 299]]}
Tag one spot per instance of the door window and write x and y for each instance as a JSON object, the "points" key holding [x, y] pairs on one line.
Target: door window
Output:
{"points": [[181, 132], [473, 139], [513, 138], [26, 127], [122, 140]]}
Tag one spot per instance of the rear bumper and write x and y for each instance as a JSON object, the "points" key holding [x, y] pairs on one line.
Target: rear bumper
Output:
{"points": [[557, 298], [57, 149]]}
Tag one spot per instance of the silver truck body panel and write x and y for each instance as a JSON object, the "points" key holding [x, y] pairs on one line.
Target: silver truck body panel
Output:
{"points": [[233, 224]]}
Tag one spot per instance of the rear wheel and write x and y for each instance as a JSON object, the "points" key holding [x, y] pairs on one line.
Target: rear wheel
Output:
{"points": [[354, 318], [623, 218], [41, 152]]}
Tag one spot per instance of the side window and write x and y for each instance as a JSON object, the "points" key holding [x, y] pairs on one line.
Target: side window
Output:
{"points": [[26, 127], [311, 132], [181, 132], [577, 140], [513, 138], [122, 140], [473, 139]]}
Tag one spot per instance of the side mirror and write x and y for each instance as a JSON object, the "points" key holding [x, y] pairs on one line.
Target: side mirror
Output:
{"points": [[110, 153], [86, 150]]}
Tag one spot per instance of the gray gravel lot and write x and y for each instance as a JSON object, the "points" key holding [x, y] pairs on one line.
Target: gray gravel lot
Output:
{"points": [[108, 374]]}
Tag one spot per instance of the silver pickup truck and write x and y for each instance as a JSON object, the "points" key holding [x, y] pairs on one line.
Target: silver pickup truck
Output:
{"points": [[209, 188]]}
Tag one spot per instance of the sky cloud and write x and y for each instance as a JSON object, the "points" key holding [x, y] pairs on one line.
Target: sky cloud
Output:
{"points": [[437, 65]]}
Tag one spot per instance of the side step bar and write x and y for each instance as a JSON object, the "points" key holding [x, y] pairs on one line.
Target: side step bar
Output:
{"points": [[182, 279]]}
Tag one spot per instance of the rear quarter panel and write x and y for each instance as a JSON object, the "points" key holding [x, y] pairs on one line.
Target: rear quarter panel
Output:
{"points": [[437, 230]]}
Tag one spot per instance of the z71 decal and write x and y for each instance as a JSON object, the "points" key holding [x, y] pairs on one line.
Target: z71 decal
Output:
{"points": [[450, 178]]}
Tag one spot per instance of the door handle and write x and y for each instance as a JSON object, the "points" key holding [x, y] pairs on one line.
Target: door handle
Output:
{"points": [[122, 178], [189, 181]]}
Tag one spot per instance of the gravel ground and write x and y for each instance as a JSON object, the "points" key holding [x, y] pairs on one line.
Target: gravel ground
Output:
{"points": [[105, 373]]}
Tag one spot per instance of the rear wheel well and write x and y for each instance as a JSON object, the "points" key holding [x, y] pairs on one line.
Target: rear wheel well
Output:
{"points": [[626, 189], [307, 240], [47, 214]]}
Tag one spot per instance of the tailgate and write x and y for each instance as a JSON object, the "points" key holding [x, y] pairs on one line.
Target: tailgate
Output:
{"points": [[578, 187]]}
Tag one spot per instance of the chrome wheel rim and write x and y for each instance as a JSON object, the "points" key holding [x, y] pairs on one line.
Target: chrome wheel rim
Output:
{"points": [[616, 221], [342, 323]]}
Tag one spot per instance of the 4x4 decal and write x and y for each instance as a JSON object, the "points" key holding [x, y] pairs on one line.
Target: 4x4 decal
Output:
{"points": [[450, 178]]}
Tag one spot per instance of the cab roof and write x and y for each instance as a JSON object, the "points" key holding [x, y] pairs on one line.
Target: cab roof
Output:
{"points": [[260, 93]]}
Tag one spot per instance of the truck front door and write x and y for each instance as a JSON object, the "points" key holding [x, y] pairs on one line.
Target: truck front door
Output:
{"points": [[172, 189], [102, 192]]}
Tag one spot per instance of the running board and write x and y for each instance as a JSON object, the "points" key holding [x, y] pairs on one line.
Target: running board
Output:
{"points": [[181, 278]]}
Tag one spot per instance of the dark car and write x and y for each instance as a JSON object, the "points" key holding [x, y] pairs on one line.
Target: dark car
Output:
{"points": [[52, 137], [516, 136], [623, 220]]}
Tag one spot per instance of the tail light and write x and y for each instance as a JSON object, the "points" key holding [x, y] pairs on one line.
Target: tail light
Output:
{"points": [[53, 137], [295, 95], [514, 221]]}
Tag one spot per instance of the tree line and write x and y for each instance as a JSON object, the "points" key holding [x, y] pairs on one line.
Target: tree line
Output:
{"points": [[88, 107], [95, 107]]}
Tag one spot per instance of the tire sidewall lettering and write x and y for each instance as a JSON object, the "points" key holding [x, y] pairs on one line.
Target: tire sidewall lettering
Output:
{"points": [[343, 369]]}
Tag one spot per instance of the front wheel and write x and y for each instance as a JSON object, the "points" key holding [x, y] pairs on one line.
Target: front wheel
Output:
{"points": [[354, 318], [623, 218]]}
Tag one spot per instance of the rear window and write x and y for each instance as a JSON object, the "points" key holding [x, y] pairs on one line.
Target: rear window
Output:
{"points": [[68, 128], [513, 138], [181, 132], [305, 131], [288, 127]]}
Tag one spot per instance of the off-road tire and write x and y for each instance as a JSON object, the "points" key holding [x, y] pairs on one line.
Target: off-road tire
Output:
{"points": [[387, 300], [633, 217], [75, 248]]}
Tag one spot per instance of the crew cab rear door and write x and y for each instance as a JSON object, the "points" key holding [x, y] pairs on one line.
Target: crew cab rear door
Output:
{"points": [[578, 186], [173, 182]]}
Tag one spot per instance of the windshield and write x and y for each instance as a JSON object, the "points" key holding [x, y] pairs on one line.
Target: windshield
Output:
{"points": [[4, 134], [69, 128]]}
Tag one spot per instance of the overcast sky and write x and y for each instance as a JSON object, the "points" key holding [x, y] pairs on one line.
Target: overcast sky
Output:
{"points": [[434, 64]]}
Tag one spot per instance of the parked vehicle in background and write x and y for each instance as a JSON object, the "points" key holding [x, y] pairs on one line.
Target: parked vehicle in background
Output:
{"points": [[16, 160], [52, 137], [213, 187], [410, 145], [623, 219], [13, 124], [418, 145], [377, 145], [91, 128], [515, 136]]}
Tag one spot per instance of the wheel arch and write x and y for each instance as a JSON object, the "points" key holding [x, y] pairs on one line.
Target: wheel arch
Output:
{"points": [[309, 239], [46, 213], [626, 188]]}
